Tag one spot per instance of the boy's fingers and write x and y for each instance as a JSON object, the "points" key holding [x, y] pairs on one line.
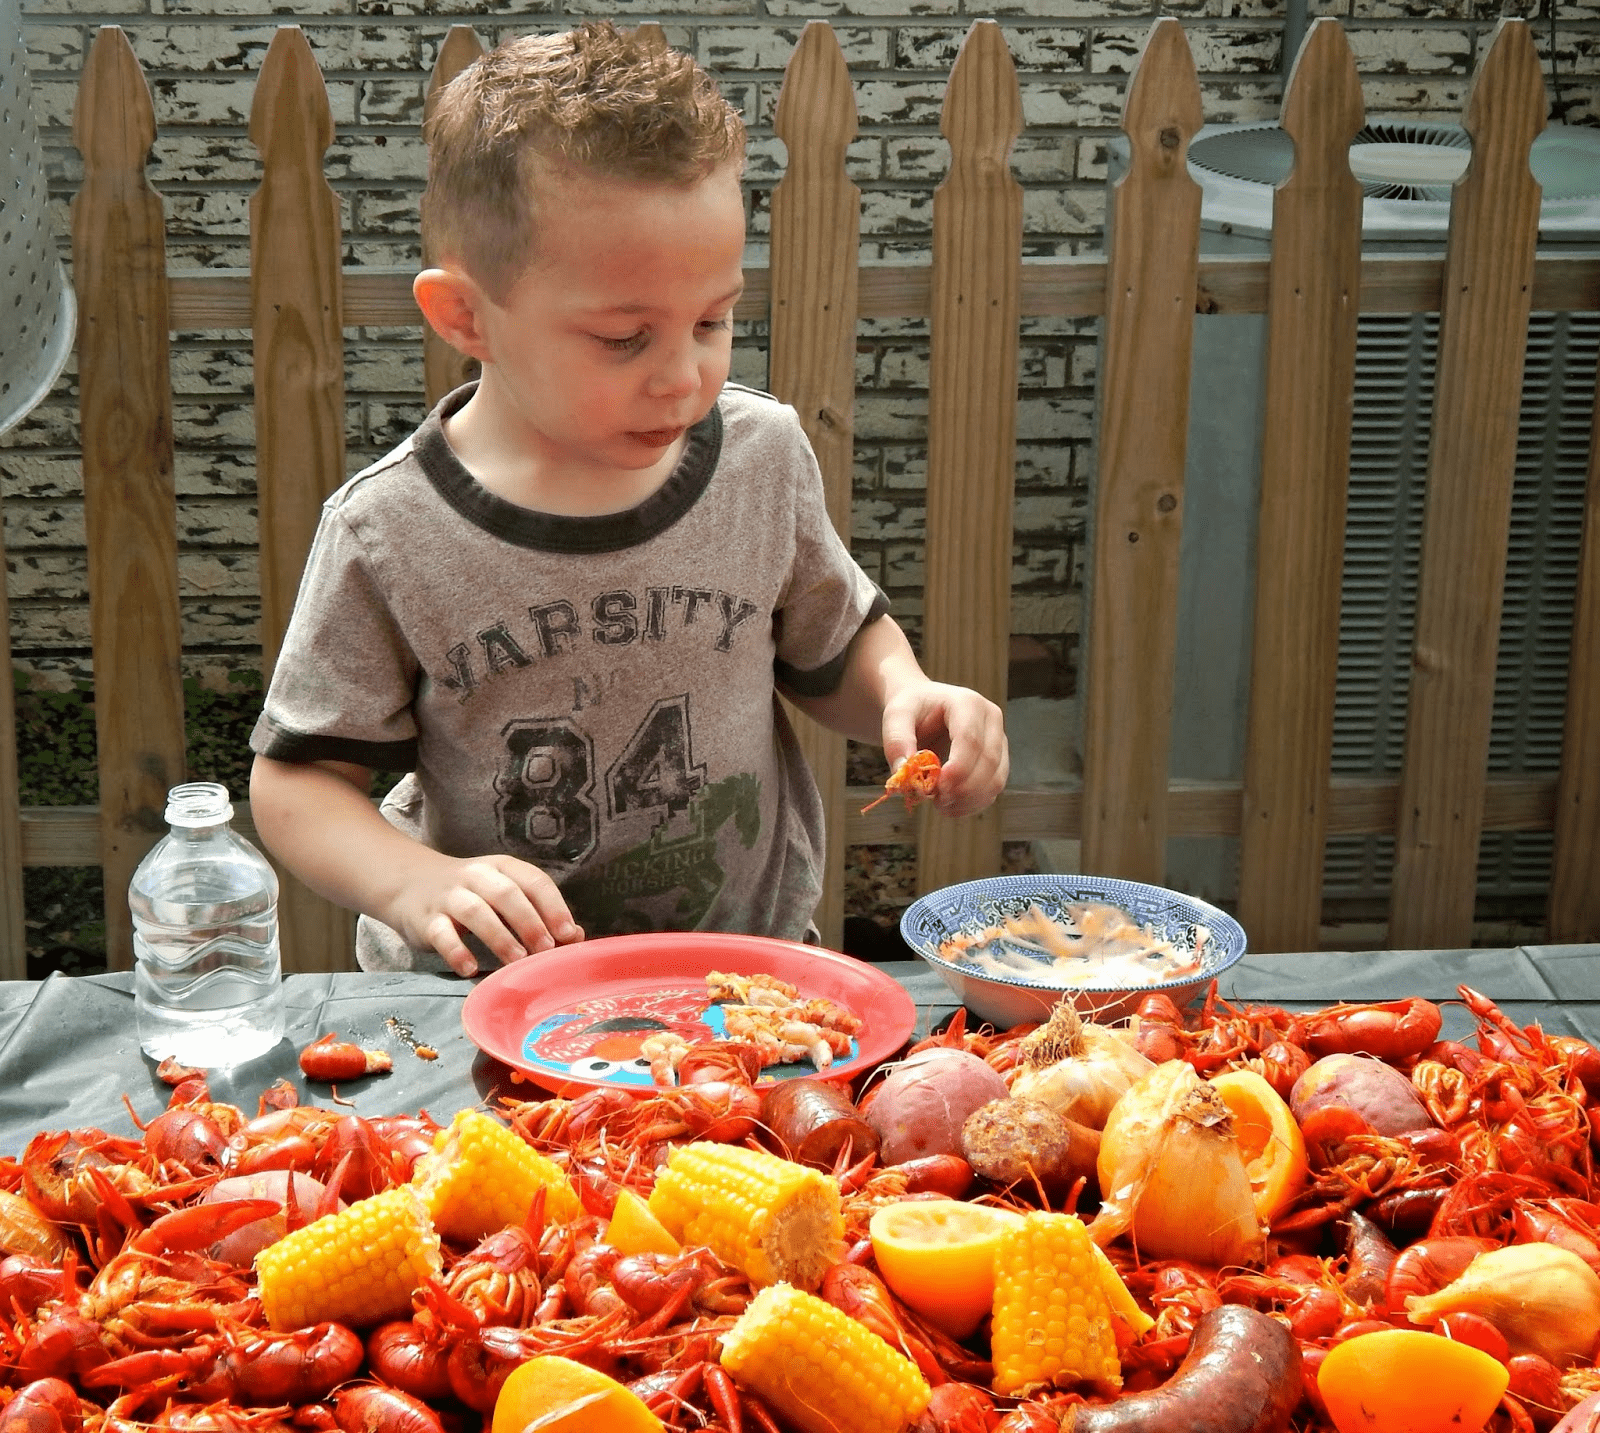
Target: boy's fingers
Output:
{"points": [[546, 898], [444, 938], [476, 913], [508, 905]]}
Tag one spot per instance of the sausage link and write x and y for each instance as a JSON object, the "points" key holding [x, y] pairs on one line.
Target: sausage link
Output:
{"points": [[812, 1119], [1241, 1375]]}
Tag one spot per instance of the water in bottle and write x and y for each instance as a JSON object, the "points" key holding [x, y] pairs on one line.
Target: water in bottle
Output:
{"points": [[208, 984]]}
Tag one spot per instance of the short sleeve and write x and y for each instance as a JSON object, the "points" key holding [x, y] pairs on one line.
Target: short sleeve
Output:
{"points": [[828, 598], [345, 679]]}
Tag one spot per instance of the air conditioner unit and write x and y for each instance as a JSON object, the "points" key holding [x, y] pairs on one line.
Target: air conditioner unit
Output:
{"points": [[1406, 170]]}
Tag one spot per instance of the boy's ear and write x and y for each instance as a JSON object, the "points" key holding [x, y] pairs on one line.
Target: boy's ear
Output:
{"points": [[452, 303]]}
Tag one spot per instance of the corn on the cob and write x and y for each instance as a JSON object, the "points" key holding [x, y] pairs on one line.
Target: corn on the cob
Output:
{"points": [[772, 1218], [482, 1177], [820, 1368], [1052, 1322], [356, 1267]]}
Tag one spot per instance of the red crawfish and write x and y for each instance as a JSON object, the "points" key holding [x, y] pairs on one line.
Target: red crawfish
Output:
{"points": [[1392, 1030], [331, 1058], [255, 1368], [47, 1405]]}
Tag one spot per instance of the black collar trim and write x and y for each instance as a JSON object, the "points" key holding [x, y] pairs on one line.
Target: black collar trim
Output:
{"points": [[551, 532]]}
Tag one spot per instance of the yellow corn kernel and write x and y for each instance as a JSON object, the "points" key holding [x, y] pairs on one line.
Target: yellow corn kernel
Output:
{"points": [[482, 1177], [772, 1218], [358, 1267], [1052, 1321], [821, 1369]]}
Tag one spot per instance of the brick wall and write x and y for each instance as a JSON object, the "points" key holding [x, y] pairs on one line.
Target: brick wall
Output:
{"points": [[1072, 56]]}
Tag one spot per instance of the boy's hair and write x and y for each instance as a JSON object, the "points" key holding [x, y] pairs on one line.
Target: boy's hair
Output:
{"points": [[615, 103]]}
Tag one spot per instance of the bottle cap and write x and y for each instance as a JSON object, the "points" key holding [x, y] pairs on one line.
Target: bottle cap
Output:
{"points": [[199, 803]]}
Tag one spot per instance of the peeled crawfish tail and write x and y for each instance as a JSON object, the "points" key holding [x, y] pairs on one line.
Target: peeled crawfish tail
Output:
{"points": [[916, 778]]}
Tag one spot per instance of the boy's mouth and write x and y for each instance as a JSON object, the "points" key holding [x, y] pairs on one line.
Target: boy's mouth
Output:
{"points": [[658, 437]]}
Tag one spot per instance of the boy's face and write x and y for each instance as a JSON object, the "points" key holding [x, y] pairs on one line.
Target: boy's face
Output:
{"points": [[618, 337]]}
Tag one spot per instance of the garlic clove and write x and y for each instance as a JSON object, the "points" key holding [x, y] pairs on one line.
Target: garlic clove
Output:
{"points": [[1544, 1299]]}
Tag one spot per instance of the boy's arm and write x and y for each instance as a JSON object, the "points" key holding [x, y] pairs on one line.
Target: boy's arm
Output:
{"points": [[885, 696], [317, 819]]}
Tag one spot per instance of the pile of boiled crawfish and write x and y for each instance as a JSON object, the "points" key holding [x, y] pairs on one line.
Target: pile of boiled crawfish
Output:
{"points": [[144, 1314]]}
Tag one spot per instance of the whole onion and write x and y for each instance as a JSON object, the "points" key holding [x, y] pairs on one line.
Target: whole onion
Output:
{"points": [[1079, 1070], [1172, 1172]]}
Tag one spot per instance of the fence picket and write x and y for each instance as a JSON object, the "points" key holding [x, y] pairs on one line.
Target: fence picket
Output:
{"points": [[130, 507], [816, 228], [296, 306], [1153, 238], [1483, 329], [1305, 459], [443, 368], [972, 416], [1574, 891]]}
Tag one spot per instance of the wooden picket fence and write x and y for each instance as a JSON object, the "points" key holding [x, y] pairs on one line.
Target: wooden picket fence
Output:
{"points": [[1146, 291]]}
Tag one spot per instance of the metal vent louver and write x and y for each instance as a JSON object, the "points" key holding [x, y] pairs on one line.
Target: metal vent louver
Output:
{"points": [[1395, 363]]}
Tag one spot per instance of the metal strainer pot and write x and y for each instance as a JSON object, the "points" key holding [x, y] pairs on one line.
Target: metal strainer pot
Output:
{"points": [[37, 313]]}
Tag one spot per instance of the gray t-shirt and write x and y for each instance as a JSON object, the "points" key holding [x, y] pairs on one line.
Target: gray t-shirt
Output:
{"points": [[595, 695]]}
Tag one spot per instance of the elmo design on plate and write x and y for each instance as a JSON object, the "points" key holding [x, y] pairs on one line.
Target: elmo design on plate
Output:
{"points": [[600, 1039]]}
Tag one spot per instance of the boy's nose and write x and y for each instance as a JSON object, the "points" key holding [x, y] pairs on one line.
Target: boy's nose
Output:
{"points": [[677, 375]]}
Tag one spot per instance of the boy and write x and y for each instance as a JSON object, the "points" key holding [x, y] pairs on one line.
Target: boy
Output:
{"points": [[565, 602]]}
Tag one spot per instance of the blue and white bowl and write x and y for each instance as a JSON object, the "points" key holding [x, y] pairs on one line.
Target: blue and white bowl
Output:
{"points": [[1006, 1000]]}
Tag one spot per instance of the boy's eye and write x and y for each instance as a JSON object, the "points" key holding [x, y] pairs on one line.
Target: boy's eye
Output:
{"points": [[716, 325], [631, 344]]}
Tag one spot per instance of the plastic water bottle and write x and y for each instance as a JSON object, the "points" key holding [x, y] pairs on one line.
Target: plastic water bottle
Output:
{"points": [[207, 980]]}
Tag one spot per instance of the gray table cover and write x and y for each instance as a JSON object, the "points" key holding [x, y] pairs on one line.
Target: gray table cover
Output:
{"points": [[69, 1052]]}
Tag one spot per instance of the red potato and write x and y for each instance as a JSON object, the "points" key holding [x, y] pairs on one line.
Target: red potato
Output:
{"points": [[1582, 1417], [1377, 1092], [920, 1108], [1242, 1374], [241, 1246]]}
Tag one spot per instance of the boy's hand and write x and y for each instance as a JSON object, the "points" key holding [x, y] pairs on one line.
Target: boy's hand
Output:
{"points": [[966, 729], [514, 908]]}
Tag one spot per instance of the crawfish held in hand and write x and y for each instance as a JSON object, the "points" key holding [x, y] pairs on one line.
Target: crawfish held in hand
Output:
{"points": [[916, 778]]}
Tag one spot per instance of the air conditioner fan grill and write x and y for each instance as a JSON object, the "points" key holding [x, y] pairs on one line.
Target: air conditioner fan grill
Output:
{"points": [[1264, 154]]}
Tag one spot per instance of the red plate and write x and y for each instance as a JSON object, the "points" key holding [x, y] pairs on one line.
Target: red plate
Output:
{"points": [[574, 1017]]}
